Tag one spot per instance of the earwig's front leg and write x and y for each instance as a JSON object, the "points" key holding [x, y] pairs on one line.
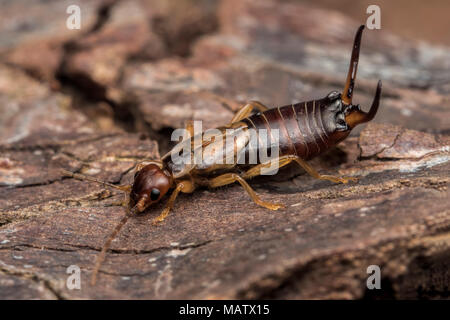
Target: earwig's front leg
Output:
{"points": [[183, 186], [229, 178], [246, 110]]}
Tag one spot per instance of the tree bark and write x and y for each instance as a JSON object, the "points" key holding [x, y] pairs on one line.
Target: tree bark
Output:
{"points": [[110, 98]]}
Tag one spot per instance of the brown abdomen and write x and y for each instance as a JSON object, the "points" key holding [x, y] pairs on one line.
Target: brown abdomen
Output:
{"points": [[300, 128]]}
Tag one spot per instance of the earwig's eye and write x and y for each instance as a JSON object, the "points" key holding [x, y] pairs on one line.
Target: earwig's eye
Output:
{"points": [[154, 194]]}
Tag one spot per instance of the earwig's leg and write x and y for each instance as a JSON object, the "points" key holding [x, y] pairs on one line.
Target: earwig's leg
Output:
{"points": [[245, 111], [284, 160], [169, 205], [229, 178], [256, 170], [184, 186], [190, 128], [317, 175]]}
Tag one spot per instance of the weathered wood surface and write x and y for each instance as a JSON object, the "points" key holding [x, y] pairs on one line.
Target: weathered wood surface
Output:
{"points": [[101, 99]]}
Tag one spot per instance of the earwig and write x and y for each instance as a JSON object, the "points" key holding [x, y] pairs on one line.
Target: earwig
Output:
{"points": [[306, 129]]}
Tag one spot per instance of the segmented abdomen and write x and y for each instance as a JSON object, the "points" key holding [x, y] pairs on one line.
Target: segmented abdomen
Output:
{"points": [[300, 128]]}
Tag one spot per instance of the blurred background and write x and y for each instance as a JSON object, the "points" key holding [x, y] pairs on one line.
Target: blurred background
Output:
{"points": [[418, 20], [150, 65]]}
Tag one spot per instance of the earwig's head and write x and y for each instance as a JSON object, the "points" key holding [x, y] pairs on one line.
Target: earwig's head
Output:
{"points": [[150, 184]]}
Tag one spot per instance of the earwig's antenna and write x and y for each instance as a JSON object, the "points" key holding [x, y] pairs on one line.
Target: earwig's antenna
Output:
{"points": [[347, 94], [82, 177], [113, 234], [138, 207], [107, 243]]}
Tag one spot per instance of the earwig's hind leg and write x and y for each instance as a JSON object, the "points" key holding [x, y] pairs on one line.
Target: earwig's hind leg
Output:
{"points": [[284, 160], [317, 175], [184, 186], [229, 178], [246, 110], [256, 170]]}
